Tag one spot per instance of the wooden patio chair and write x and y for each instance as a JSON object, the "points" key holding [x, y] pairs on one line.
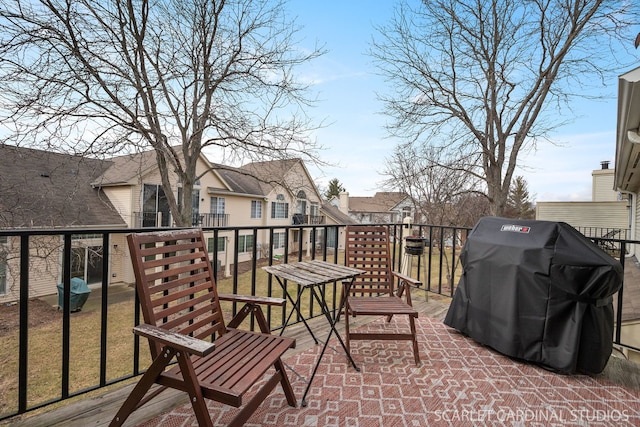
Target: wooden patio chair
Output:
{"points": [[372, 293], [182, 315]]}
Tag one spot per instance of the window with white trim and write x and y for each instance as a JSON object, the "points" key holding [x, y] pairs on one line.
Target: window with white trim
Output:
{"points": [[256, 209], [221, 244], [279, 208], [217, 205], [278, 240], [245, 243]]}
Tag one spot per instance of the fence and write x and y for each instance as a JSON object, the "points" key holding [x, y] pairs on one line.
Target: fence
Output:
{"points": [[115, 354]]}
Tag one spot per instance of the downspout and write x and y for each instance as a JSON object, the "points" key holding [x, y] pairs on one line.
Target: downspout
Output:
{"points": [[632, 221]]}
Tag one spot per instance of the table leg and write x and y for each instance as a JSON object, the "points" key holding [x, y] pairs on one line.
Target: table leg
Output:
{"points": [[332, 322], [296, 308]]}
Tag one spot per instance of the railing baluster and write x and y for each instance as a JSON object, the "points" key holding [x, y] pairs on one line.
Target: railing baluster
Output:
{"points": [[104, 307], [23, 356], [305, 234], [66, 316]]}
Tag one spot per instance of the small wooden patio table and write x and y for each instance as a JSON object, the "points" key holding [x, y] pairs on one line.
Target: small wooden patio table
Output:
{"points": [[313, 275]]}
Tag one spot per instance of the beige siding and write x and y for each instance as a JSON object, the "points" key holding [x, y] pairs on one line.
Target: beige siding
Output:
{"points": [[120, 266], [121, 198], [45, 264], [585, 214], [602, 186]]}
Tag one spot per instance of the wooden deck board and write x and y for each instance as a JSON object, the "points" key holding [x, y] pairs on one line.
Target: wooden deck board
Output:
{"points": [[98, 411]]}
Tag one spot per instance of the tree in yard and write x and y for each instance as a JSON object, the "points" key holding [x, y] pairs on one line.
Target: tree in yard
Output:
{"points": [[176, 76], [486, 80], [334, 190], [441, 192], [518, 204]]}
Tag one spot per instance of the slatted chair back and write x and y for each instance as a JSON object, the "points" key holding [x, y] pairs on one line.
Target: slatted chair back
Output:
{"points": [[175, 284], [368, 249], [373, 293]]}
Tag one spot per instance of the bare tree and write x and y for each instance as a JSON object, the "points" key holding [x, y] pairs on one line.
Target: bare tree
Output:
{"points": [[176, 76], [437, 183], [491, 77]]}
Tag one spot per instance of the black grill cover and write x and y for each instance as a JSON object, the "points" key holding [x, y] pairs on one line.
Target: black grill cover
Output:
{"points": [[538, 291]]}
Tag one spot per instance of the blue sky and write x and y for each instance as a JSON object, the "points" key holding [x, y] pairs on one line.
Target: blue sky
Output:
{"points": [[346, 81]]}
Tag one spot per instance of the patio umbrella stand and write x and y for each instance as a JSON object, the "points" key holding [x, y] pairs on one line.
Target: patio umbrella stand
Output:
{"points": [[538, 291]]}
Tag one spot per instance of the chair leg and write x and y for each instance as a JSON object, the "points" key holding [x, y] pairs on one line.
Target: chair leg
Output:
{"points": [[286, 384], [347, 334], [245, 413], [416, 354], [141, 388], [194, 390]]}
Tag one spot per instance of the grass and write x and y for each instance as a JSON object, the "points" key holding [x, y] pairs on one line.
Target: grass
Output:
{"points": [[45, 341]]}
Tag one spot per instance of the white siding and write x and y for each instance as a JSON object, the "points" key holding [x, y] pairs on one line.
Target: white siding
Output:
{"points": [[585, 214]]}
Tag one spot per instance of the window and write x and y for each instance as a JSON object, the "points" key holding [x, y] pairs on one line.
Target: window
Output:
{"points": [[279, 208], [154, 202], [278, 240], [86, 263], [256, 209], [216, 205], [301, 204], [245, 243], [221, 244]]}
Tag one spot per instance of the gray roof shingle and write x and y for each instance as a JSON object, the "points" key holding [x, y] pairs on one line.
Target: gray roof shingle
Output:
{"points": [[45, 189]]}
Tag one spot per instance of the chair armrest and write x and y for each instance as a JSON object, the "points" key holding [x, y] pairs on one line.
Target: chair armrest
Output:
{"points": [[410, 280], [175, 340], [251, 299], [252, 305]]}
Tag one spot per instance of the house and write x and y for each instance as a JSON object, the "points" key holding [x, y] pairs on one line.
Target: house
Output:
{"points": [[259, 194], [272, 193], [335, 216], [382, 208], [40, 189]]}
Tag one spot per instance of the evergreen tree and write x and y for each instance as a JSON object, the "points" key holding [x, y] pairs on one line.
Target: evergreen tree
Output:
{"points": [[518, 203], [335, 188]]}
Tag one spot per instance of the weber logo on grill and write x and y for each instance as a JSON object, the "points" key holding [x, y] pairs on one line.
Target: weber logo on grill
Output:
{"points": [[515, 228]]}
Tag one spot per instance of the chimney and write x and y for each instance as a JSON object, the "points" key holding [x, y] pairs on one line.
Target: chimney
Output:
{"points": [[604, 164], [344, 203]]}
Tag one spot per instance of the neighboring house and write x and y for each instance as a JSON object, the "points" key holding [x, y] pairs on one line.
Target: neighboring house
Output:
{"points": [[279, 192], [41, 189], [273, 193], [47, 190], [382, 208], [335, 216], [606, 215]]}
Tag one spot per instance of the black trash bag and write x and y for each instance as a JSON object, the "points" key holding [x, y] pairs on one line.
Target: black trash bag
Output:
{"points": [[538, 291]]}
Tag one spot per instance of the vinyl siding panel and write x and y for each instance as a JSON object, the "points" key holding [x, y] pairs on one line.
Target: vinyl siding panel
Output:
{"points": [[602, 187], [585, 214], [121, 199]]}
